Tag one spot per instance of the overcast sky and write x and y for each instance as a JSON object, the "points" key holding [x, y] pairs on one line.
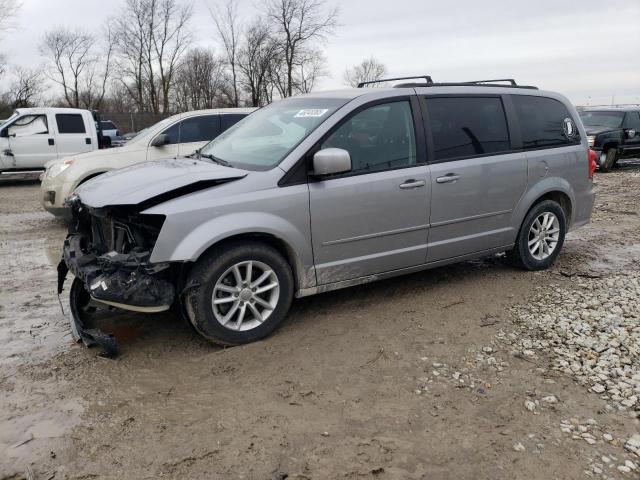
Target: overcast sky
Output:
{"points": [[587, 49]]}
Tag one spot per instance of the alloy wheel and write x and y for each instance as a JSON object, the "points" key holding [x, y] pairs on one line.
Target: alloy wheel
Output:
{"points": [[245, 295], [544, 235]]}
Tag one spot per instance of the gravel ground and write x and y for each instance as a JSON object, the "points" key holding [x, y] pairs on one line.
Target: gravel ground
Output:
{"points": [[475, 370]]}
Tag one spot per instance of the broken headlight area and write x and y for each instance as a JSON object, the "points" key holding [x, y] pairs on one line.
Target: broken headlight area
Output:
{"points": [[108, 251]]}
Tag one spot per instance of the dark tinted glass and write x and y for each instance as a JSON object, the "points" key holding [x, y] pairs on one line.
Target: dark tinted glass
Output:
{"points": [[200, 129], [70, 123], [229, 119], [632, 120], [541, 122], [173, 133], [378, 138], [107, 125], [467, 126]]}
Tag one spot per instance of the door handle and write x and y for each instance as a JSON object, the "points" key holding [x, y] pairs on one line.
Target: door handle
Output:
{"points": [[448, 178], [51, 141], [411, 183]]}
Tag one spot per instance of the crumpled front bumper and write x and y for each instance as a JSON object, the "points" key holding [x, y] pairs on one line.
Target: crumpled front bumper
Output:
{"points": [[126, 281]]}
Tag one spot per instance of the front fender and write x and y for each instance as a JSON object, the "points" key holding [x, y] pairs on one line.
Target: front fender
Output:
{"points": [[174, 245]]}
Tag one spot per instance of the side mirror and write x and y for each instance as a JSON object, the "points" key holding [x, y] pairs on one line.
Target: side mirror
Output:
{"points": [[631, 133], [331, 161], [160, 140]]}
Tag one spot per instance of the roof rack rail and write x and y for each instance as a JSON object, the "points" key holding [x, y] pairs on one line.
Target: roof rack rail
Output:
{"points": [[506, 83], [426, 77], [509, 80]]}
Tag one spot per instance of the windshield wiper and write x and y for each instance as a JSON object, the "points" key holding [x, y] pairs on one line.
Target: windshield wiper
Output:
{"points": [[217, 160]]}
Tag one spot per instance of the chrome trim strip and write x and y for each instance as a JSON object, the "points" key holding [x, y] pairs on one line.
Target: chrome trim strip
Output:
{"points": [[375, 235], [473, 217]]}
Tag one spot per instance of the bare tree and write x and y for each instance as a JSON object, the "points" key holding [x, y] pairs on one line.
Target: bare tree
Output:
{"points": [[258, 54], [199, 80], [70, 55], [8, 11], [228, 26], [311, 68], [170, 41], [369, 70], [298, 24], [26, 89], [152, 36]]}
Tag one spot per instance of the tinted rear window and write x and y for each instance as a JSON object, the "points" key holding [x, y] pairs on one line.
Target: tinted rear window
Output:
{"points": [[107, 126], [70, 123], [467, 126], [541, 122]]}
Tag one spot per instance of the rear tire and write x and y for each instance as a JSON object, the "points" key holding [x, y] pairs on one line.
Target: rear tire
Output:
{"points": [[540, 238], [608, 159], [241, 293]]}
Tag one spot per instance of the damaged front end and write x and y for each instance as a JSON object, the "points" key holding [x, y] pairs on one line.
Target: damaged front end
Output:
{"points": [[108, 249]]}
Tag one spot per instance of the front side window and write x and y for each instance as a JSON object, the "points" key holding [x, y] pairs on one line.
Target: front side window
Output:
{"points": [[228, 120], [467, 126], [267, 136], [381, 137], [173, 134], [542, 122], [70, 123], [199, 129], [602, 119], [29, 125]]}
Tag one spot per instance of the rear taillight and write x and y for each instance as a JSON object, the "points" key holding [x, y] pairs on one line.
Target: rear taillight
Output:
{"points": [[591, 157]]}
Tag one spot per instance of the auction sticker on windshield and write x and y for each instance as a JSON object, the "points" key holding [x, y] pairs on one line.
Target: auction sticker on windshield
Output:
{"points": [[311, 112]]}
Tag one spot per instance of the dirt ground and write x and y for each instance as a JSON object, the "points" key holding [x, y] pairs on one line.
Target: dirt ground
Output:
{"points": [[357, 384]]}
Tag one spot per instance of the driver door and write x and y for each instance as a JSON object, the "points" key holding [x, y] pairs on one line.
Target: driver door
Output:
{"points": [[31, 142], [374, 218]]}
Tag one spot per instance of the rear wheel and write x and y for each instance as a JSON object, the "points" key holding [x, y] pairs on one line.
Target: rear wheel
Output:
{"points": [[540, 238], [241, 293], [608, 159]]}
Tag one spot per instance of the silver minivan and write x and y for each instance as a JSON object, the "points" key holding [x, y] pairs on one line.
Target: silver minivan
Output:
{"points": [[329, 190]]}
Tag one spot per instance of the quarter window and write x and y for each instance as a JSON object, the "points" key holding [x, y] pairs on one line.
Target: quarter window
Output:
{"points": [[542, 122], [378, 138], [467, 126], [70, 123]]}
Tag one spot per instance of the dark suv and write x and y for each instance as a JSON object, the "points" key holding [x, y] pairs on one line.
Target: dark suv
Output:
{"points": [[613, 133]]}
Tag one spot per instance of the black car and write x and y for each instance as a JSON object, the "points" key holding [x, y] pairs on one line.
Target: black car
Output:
{"points": [[613, 133]]}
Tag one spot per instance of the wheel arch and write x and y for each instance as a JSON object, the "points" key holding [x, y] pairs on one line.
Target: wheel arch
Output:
{"points": [[277, 243], [556, 189]]}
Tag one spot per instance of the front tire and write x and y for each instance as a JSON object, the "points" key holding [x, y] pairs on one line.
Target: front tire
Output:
{"points": [[608, 159], [240, 293], [540, 238]]}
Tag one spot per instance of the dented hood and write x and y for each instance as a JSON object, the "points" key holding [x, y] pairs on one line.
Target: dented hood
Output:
{"points": [[143, 182]]}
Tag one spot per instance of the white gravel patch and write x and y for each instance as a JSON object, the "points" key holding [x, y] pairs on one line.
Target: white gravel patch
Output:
{"points": [[592, 331]]}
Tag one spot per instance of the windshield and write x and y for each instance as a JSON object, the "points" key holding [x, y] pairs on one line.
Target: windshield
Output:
{"points": [[264, 138], [602, 119]]}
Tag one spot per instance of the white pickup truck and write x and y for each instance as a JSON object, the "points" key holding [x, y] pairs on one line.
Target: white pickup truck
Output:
{"points": [[31, 137]]}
